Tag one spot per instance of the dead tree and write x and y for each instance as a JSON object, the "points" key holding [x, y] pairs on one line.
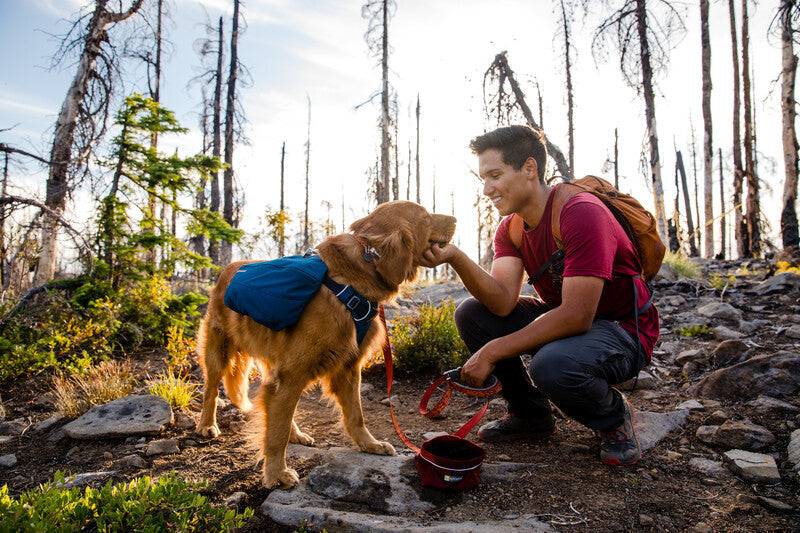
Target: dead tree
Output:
{"points": [[377, 14], [752, 203], [708, 153], [739, 227], [687, 203], [499, 72], [226, 252], [416, 159], [789, 12], [282, 239], [306, 237], [722, 232], [565, 28], [643, 51], [81, 120]]}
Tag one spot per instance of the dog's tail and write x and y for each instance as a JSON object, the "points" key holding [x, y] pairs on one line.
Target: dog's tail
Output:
{"points": [[236, 379], [220, 357]]}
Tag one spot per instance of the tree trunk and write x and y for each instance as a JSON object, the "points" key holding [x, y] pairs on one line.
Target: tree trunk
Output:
{"points": [[64, 135], [216, 149], [306, 237], [3, 247], [570, 95], [708, 152], [616, 159], [282, 239], [739, 228], [154, 84], [650, 116], [419, 201], [384, 183], [722, 237], [230, 127], [396, 179], [789, 230], [751, 212], [688, 203]]}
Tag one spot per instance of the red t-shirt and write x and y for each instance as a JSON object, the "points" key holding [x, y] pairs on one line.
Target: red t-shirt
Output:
{"points": [[595, 245]]}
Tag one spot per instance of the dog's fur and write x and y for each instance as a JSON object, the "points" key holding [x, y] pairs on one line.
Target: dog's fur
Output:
{"points": [[322, 345]]}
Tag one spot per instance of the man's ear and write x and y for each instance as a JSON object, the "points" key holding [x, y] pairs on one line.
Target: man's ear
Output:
{"points": [[531, 168]]}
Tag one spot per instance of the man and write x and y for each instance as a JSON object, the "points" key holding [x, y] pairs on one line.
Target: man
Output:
{"points": [[581, 333]]}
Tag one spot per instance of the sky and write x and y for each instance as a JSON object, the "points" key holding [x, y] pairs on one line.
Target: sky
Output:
{"points": [[301, 50]]}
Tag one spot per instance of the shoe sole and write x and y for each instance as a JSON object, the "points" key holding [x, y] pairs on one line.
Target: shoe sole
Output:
{"points": [[617, 462], [534, 436]]}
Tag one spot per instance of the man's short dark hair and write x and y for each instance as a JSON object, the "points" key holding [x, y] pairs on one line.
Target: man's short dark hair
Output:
{"points": [[516, 144]]}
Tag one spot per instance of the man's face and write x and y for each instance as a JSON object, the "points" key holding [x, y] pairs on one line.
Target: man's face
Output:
{"points": [[506, 187]]}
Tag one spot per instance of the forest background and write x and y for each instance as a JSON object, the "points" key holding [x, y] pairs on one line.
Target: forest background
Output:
{"points": [[310, 78]]}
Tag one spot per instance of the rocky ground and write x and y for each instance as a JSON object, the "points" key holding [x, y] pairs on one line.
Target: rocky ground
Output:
{"points": [[728, 463]]}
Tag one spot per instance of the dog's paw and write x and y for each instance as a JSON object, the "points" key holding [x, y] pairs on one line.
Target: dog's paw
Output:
{"points": [[285, 479], [377, 447], [209, 431], [298, 437]]}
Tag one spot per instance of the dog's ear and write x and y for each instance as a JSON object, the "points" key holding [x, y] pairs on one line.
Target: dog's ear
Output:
{"points": [[395, 243]]}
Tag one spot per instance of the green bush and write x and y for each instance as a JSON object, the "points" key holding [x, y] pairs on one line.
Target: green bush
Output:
{"points": [[681, 264], [428, 340], [169, 504], [695, 330]]}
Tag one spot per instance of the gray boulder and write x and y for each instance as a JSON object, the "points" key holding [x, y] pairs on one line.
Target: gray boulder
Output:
{"points": [[743, 435], [755, 467], [774, 375], [720, 310], [779, 284], [135, 415]]}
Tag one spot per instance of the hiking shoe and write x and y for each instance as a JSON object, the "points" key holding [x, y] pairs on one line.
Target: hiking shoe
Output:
{"points": [[620, 446], [512, 427]]}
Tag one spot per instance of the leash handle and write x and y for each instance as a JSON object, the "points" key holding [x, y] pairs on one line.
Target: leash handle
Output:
{"points": [[387, 359]]}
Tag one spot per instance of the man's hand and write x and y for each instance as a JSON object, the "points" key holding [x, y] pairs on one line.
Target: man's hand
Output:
{"points": [[438, 254], [477, 369]]}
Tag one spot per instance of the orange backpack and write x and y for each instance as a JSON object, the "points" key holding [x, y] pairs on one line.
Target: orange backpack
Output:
{"points": [[638, 223]]}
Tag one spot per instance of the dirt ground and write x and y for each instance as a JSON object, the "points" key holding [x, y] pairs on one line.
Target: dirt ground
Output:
{"points": [[566, 485]]}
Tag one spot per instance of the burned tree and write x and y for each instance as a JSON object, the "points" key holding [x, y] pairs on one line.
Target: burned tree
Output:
{"points": [[708, 152], [82, 119], [739, 228], [643, 52], [565, 19]]}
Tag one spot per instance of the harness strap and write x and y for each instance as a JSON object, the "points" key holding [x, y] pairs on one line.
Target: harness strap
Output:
{"points": [[363, 310]]}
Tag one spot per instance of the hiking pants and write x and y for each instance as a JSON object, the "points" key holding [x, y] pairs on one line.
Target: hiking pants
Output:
{"points": [[574, 373]]}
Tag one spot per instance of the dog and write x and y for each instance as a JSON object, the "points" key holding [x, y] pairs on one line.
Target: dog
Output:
{"points": [[383, 250]]}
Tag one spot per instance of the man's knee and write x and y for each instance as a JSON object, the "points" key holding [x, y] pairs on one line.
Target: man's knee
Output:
{"points": [[552, 369], [468, 312]]}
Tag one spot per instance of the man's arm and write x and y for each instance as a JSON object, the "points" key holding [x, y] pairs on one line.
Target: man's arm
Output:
{"points": [[579, 298], [498, 291]]}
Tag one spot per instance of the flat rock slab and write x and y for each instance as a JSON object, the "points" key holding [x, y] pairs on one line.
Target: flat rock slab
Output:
{"points": [[379, 493], [756, 467], [135, 415], [652, 427]]}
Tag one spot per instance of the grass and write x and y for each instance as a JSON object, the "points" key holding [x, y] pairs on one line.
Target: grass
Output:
{"points": [[107, 381], [695, 330], [177, 390], [682, 265]]}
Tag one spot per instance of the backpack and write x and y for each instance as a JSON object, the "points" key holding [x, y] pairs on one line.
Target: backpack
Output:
{"points": [[638, 223]]}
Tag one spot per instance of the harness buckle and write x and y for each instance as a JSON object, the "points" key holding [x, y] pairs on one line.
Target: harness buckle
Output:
{"points": [[353, 302]]}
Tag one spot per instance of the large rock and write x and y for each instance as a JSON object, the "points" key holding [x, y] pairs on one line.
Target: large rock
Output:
{"points": [[652, 427], [743, 435], [376, 494], [755, 467], [774, 375], [720, 310], [779, 284], [794, 450], [135, 415]]}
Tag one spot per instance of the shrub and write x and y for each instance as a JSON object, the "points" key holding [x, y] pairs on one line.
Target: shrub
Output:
{"points": [[682, 264], [786, 266], [169, 504], [428, 340], [97, 385], [720, 282], [695, 330]]}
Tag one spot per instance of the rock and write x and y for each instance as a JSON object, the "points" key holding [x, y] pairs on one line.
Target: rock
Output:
{"points": [[720, 310], [667, 273], [793, 332], [44, 425], [690, 356], [645, 520], [717, 418], [780, 284], [162, 447], [770, 406], [393, 400], [645, 381], [774, 505], [134, 415], [709, 467], [794, 450], [133, 460], [652, 427], [742, 435], [774, 375], [8, 460], [236, 500], [13, 427], [366, 388], [690, 405], [82, 480], [755, 467], [184, 421], [728, 352], [433, 434], [701, 527], [722, 333]]}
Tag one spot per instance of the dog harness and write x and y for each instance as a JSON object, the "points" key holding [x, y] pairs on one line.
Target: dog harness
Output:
{"points": [[274, 293]]}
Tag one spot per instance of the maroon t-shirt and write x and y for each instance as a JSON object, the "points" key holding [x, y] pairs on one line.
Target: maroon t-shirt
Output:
{"points": [[595, 245]]}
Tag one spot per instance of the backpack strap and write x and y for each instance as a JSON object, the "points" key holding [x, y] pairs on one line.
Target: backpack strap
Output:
{"points": [[564, 191]]}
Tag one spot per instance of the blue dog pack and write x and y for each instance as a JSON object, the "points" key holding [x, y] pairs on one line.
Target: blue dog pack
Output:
{"points": [[274, 293]]}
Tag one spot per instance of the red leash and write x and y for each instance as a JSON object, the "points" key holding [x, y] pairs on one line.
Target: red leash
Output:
{"points": [[448, 377]]}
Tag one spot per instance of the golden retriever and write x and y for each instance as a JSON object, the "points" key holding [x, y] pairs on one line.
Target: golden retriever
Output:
{"points": [[321, 346]]}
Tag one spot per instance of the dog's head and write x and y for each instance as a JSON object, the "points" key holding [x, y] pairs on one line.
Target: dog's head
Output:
{"points": [[401, 231]]}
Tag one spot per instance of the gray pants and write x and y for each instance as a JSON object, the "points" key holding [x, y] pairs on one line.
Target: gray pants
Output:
{"points": [[574, 373]]}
